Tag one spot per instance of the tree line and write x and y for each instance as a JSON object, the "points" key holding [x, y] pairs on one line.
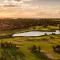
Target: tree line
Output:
{"points": [[6, 24]]}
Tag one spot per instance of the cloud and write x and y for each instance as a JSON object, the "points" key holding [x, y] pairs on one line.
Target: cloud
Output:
{"points": [[30, 8]]}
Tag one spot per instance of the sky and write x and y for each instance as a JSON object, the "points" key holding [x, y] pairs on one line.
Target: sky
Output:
{"points": [[29, 8]]}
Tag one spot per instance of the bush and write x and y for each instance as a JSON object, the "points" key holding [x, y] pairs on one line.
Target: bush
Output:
{"points": [[8, 45], [35, 49], [56, 49]]}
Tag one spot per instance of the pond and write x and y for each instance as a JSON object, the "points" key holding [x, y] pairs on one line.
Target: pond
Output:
{"points": [[35, 33]]}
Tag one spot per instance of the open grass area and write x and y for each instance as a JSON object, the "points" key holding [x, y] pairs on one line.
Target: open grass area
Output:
{"points": [[24, 44], [22, 50]]}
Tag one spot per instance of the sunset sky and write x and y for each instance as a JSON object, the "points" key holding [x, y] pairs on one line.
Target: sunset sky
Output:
{"points": [[29, 8]]}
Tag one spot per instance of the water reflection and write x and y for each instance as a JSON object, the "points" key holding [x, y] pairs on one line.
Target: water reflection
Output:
{"points": [[36, 33]]}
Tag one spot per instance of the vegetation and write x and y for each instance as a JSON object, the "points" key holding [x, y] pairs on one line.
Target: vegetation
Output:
{"points": [[9, 51], [45, 47], [36, 48], [10, 24], [37, 51], [57, 48]]}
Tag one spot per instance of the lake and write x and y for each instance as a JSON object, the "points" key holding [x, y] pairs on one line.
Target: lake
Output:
{"points": [[35, 33]]}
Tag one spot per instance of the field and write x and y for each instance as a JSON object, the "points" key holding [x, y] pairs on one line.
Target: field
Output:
{"points": [[25, 43], [29, 48], [32, 28]]}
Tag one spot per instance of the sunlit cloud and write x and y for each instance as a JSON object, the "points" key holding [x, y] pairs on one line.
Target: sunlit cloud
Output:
{"points": [[30, 8]]}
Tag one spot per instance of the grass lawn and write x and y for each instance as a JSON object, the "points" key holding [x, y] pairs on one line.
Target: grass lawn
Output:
{"points": [[25, 43], [36, 28]]}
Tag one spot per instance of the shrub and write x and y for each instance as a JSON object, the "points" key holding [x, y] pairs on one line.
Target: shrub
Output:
{"points": [[56, 48], [35, 49]]}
